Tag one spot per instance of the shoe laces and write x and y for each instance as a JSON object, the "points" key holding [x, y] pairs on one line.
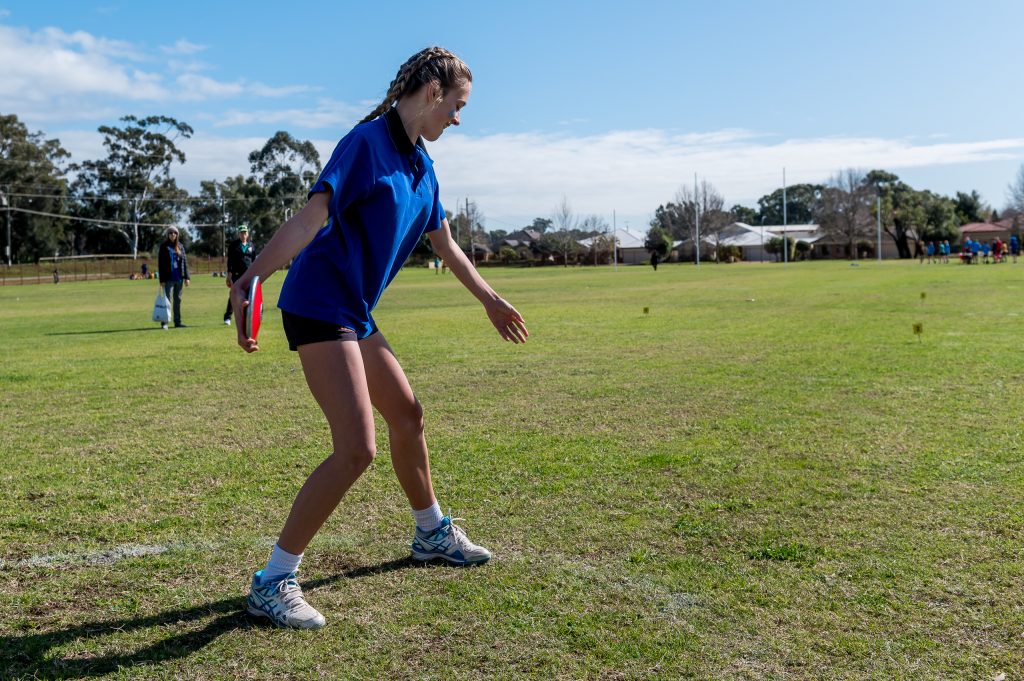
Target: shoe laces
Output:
{"points": [[456, 530], [291, 592]]}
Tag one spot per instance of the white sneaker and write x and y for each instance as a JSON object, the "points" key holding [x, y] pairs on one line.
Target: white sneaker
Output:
{"points": [[163, 326], [448, 541], [282, 602], [227, 322]]}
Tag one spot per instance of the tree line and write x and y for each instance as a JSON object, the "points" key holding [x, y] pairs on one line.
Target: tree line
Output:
{"points": [[120, 202], [848, 207]]}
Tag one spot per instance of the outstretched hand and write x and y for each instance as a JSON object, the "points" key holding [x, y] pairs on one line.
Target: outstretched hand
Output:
{"points": [[239, 303], [510, 324]]}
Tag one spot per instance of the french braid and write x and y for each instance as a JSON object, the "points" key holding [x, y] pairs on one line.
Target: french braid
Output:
{"points": [[434, 64]]}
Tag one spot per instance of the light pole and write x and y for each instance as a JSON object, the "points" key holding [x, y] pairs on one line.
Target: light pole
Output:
{"points": [[223, 237], [878, 212], [7, 212], [785, 238], [696, 220], [762, 239]]}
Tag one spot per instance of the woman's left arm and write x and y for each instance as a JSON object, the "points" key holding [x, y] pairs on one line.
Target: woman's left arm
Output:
{"points": [[510, 324]]}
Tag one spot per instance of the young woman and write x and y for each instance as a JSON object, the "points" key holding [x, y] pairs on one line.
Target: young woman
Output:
{"points": [[373, 201], [173, 268]]}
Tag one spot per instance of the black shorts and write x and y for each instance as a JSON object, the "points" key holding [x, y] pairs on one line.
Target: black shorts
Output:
{"points": [[303, 331]]}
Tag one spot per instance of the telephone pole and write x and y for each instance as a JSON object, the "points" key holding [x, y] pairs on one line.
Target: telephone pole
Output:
{"points": [[472, 250], [7, 212]]}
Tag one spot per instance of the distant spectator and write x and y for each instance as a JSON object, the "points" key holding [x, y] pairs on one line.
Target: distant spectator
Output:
{"points": [[173, 267], [241, 253]]}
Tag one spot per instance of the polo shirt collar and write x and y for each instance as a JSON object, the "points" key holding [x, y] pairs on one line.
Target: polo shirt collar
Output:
{"points": [[399, 136]]}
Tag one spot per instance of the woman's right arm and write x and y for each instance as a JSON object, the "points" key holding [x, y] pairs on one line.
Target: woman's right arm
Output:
{"points": [[289, 239]]}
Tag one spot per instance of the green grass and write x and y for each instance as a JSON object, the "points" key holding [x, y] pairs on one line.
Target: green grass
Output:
{"points": [[769, 475]]}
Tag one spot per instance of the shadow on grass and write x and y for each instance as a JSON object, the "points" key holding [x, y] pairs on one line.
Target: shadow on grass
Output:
{"points": [[27, 655], [90, 333]]}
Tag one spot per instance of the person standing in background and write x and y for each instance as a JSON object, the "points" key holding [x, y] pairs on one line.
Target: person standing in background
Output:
{"points": [[241, 253], [173, 266]]}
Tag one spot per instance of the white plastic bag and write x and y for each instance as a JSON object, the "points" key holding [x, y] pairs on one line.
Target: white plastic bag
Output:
{"points": [[161, 307]]}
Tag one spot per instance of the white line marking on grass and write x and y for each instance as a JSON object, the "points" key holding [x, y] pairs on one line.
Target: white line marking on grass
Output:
{"points": [[106, 557]]}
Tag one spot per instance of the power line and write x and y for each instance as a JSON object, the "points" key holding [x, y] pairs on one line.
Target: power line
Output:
{"points": [[61, 216], [128, 197]]}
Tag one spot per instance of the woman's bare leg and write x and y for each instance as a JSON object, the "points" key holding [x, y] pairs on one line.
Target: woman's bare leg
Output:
{"points": [[336, 377], [392, 396]]}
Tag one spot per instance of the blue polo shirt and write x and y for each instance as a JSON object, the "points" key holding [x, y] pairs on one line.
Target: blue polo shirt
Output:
{"points": [[384, 197]]}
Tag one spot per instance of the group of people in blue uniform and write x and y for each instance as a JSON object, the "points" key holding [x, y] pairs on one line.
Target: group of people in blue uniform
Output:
{"points": [[972, 251], [994, 251]]}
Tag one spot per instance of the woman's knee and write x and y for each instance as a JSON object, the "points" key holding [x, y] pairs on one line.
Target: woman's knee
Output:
{"points": [[354, 459], [409, 421]]}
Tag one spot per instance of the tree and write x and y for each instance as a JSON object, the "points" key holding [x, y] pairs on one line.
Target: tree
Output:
{"points": [[745, 215], [939, 217], [562, 240], [800, 200], [903, 216], [136, 174], [222, 206], [676, 218], [595, 228], [468, 226], [658, 241], [31, 178], [679, 218], [495, 237], [286, 168], [970, 208], [843, 209], [1015, 193], [541, 225], [713, 218]]}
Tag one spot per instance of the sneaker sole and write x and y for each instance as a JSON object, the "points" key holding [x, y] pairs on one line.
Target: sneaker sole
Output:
{"points": [[454, 561], [256, 612]]}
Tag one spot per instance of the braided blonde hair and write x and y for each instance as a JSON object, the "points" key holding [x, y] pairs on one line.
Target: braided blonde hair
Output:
{"points": [[432, 65]]}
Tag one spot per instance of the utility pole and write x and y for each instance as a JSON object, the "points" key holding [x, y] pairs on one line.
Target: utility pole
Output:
{"points": [[785, 238], [615, 244], [878, 205], [458, 224], [223, 233], [7, 212], [696, 220], [472, 250]]}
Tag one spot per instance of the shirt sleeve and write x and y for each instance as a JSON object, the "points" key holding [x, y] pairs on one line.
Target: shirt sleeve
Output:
{"points": [[348, 175], [437, 214]]}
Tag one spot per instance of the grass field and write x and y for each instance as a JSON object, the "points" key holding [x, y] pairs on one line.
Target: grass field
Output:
{"points": [[769, 475]]}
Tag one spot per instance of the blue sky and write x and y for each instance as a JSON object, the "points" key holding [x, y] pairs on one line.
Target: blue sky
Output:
{"points": [[612, 105]]}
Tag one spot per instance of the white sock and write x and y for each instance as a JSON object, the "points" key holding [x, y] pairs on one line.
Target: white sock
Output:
{"points": [[281, 564], [428, 519]]}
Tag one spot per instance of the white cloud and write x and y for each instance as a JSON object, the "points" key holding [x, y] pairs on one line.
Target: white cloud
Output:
{"points": [[53, 75], [182, 46], [195, 87], [51, 64], [328, 114]]}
